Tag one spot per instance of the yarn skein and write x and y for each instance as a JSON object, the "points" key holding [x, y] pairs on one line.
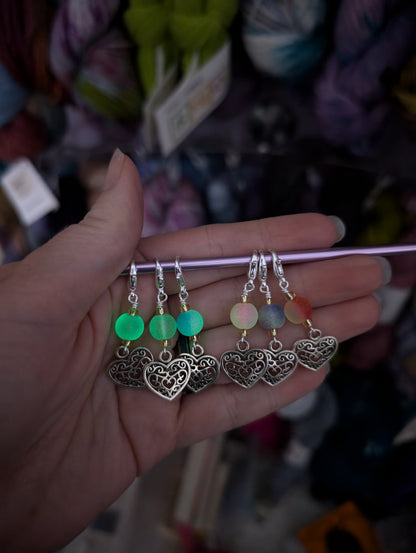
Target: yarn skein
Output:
{"points": [[13, 97], [76, 25], [90, 54], [285, 39], [24, 43], [353, 98], [24, 73], [358, 25], [147, 23], [199, 28]]}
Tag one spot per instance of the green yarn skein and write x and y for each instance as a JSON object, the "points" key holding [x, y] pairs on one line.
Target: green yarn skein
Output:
{"points": [[147, 23], [200, 27], [169, 30]]}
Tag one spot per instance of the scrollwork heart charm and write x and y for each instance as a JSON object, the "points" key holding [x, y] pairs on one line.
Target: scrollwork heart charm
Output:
{"points": [[167, 380], [314, 353], [204, 371], [128, 371], [280, 365], [244, 367]]}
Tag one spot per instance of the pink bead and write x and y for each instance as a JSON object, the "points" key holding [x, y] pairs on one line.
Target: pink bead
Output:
{"points": [[298, 310], [244, 315]]}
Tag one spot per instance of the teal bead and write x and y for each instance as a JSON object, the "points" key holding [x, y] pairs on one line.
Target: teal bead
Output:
{"points": [[129, 327], [271, 316], [244, 315], [190, 323], [162, 327]]}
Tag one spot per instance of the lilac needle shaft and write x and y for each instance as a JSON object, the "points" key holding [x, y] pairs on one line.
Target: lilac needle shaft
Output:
{"points": [[285, 257]]}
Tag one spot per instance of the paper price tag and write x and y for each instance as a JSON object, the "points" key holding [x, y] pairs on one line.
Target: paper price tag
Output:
{"points": [[193, 100], [28, 193]]}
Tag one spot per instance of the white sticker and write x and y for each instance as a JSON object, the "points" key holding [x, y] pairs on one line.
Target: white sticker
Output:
{"points": [[28, 193], [193, 100]]}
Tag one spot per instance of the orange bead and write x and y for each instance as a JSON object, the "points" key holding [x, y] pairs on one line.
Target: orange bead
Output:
{"points": [[298, 310]]}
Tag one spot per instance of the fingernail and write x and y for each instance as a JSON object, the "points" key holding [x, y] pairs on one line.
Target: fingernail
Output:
{"points": [[386, 267], [339, 225], [379, 298], [114, 167]]}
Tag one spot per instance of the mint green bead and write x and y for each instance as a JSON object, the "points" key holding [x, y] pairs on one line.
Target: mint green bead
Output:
{"points": [[162, 327], [129, 327], [190, 323]]}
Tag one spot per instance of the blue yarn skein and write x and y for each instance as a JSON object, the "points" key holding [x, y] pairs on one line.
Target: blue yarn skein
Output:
{"points": [[13, 97], [285, 39]]}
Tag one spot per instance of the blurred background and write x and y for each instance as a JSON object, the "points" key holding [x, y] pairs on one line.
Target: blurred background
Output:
{"points": [[236, 110]]}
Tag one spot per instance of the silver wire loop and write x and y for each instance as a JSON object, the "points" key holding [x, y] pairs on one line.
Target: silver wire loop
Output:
{"points": [[183, 293], [252, 273], [197, 349], [278, 271], [275, 345], [160, 284], [243, 345], [315, 333], [133, 298], [264, 287], [133, 277], [122, 352], [165, 356]]}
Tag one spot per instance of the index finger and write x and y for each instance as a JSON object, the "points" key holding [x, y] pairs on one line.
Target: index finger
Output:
{"points": [[284, 233]]}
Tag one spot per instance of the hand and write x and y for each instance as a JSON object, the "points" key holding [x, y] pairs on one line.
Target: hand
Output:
{"points": [[71, 441]]}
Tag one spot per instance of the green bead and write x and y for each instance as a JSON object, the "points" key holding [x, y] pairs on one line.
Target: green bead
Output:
{"points": [[129, 327], [162, 327], [190, 323]]}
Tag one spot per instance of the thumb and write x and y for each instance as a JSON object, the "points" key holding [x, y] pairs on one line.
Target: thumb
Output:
{"points": [[84, 259]]}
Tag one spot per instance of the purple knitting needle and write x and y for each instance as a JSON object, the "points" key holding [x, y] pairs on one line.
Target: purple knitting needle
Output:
{"points": [[285, 257]]}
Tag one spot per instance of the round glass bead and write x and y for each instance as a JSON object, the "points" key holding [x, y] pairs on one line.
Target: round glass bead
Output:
{"points": [[271, 316], [244, 315], [190, 322], [129, 327], [162, 327], [298, 310]]}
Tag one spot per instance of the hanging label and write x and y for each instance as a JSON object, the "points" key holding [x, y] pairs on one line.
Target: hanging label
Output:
{"points": [[28, 193], [193, 100]]}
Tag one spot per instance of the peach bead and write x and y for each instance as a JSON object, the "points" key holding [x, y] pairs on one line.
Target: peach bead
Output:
{"points": [[298, 310], [244, 315]]}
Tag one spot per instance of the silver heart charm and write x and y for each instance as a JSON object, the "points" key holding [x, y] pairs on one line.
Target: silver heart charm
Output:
{"points": [[244, 367], [314, 353], [128, 371], [204, 371], [167, 380], [280, 365]]}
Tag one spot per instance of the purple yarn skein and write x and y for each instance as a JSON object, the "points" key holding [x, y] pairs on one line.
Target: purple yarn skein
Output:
{"points": [[352, 97], [77, 24]]}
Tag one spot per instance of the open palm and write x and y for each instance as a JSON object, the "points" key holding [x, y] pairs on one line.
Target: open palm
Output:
{"points": [[71, 441]]}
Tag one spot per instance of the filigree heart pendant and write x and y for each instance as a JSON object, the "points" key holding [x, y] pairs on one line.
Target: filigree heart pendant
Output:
{"points": [[244, 367], [167, 380], [128, 371], [314, 353], [204, 371], [280, 365]]}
